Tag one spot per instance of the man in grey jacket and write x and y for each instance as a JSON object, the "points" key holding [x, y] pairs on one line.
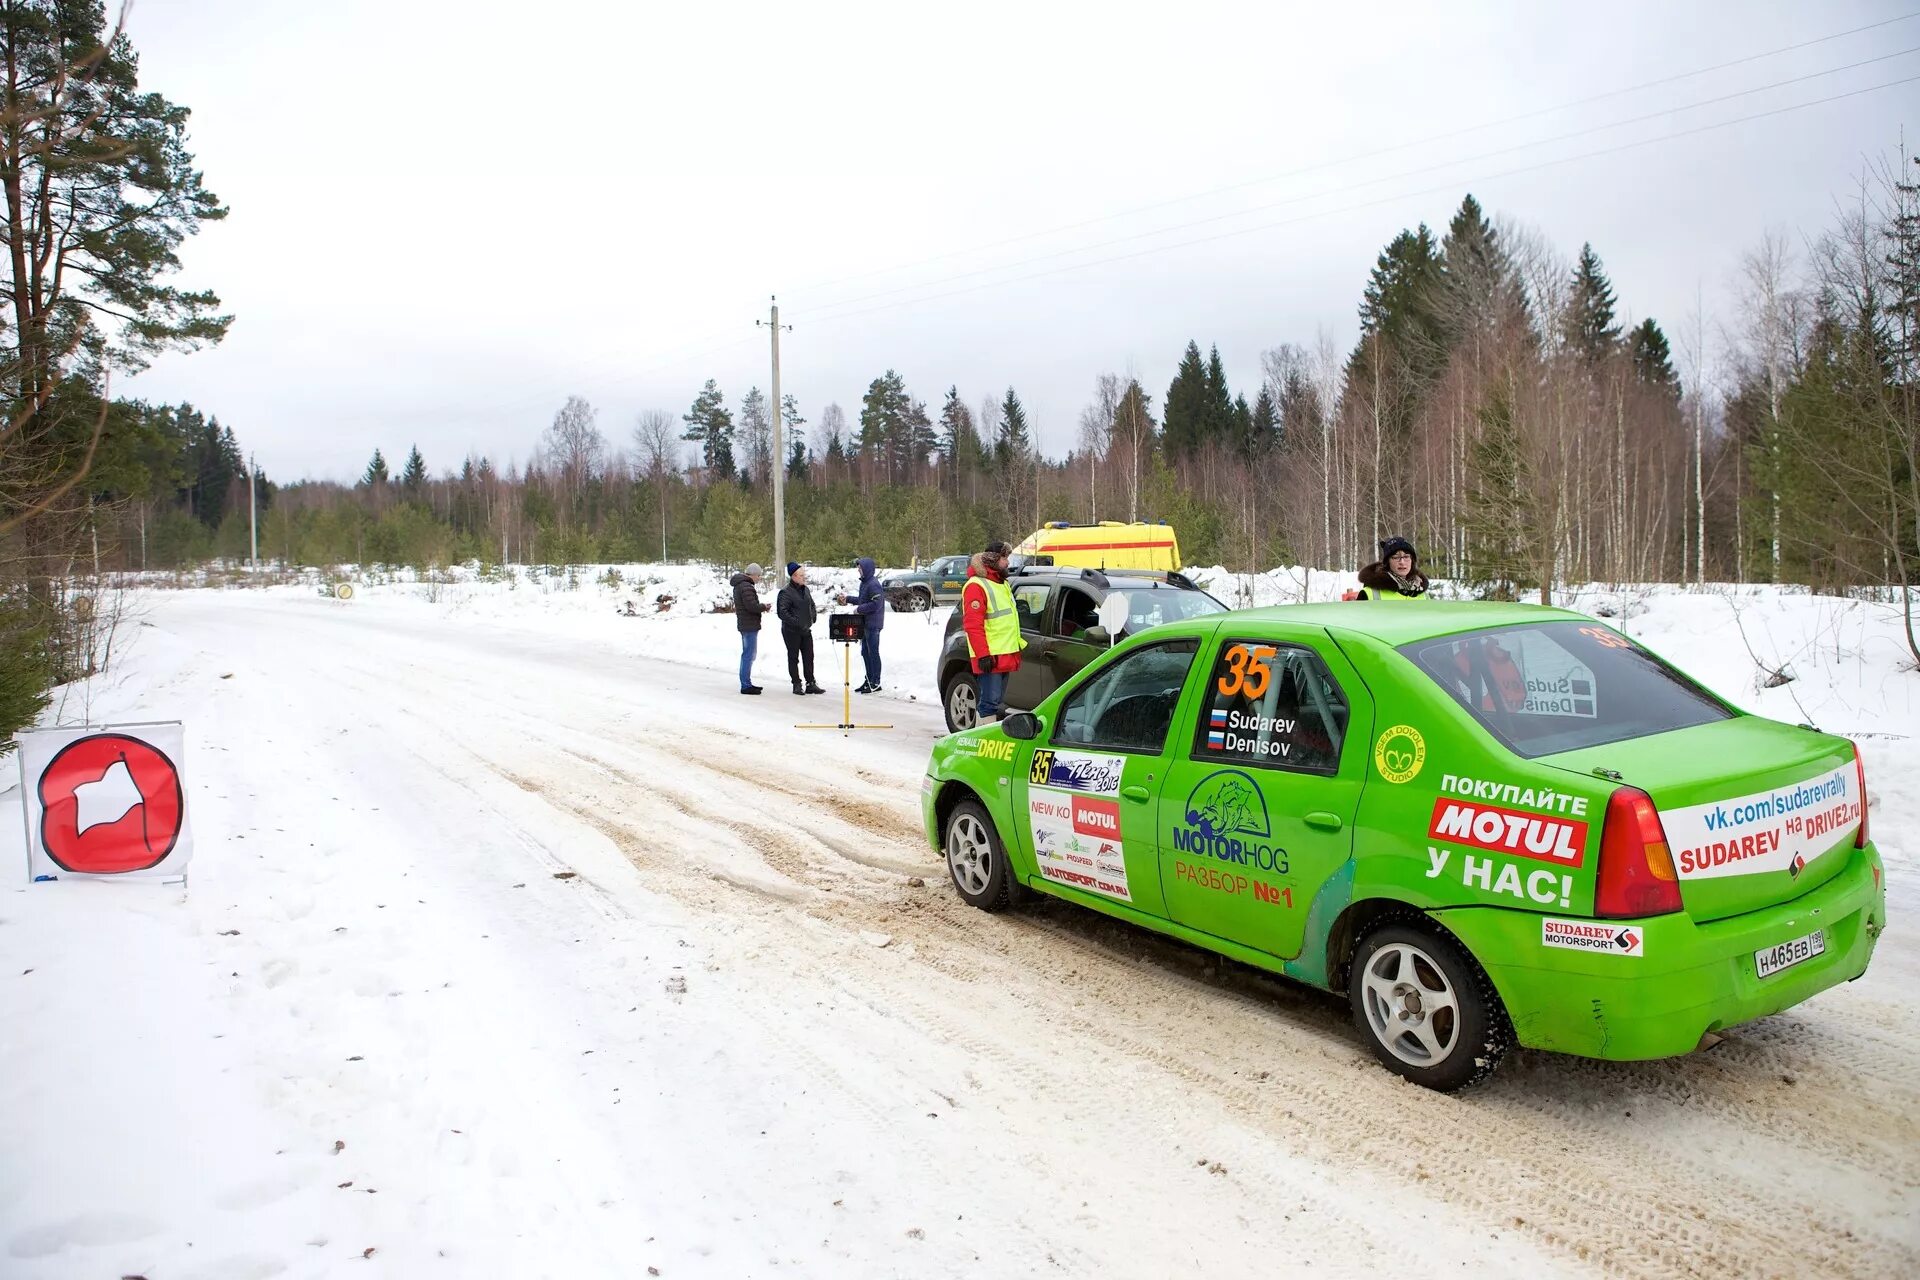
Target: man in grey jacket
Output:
{"points": [[746, 615]]}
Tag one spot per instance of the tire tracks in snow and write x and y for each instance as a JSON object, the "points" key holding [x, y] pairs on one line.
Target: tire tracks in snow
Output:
{"points": [[1542, 1151]]}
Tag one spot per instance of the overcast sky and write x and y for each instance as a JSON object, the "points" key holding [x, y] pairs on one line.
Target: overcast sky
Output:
{"points": [[447, 217]]}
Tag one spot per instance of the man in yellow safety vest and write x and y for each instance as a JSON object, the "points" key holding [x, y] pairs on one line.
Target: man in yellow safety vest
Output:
{"points": [[992, 627]]}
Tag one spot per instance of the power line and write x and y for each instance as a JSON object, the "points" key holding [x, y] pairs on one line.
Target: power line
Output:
{"points": [[1372, 204], [1055, 254], [1353, 159]]}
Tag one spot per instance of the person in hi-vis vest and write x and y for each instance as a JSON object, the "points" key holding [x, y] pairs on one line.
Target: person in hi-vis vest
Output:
{"points": [[992, 626]]}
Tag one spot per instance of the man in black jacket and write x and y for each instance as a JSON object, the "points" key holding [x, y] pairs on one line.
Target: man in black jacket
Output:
{"points": [[795, 608], [746, 615]]}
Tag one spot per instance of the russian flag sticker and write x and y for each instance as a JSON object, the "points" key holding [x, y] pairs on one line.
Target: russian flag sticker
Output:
{"points": [[1216, 741], [1218, 720]]}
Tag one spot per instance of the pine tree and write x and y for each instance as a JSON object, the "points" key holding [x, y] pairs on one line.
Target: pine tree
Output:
{"points": [[1014, 445], [756, 435], [1653, 357], [413, 478], [1184, 418], [790, 417], [922, 439], [797, 458], [886, 426], [376, 472], [1589, 328], [709, 423]]}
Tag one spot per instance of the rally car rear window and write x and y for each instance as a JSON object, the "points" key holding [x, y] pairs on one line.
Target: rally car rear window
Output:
{"points": [[1560, 686]]}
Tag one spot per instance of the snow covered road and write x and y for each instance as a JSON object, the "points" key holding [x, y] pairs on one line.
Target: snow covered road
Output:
{"points": [[594, 966]]}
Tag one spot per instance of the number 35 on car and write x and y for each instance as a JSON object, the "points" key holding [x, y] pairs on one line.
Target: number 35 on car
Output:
{"points": [[1486, 825]]}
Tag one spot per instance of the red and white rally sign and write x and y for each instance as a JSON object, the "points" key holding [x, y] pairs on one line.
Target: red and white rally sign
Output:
{"points": [[106, 801], [1540, 836]]}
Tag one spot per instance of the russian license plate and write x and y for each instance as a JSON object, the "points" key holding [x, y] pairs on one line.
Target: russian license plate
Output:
{"points": [[1785, 955]]}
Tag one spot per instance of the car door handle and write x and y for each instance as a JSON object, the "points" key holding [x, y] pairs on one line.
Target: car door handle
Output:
{"points": [[1323, 820], [1139, 795]]}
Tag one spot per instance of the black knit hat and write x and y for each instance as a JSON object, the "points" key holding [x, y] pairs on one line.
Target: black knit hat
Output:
{"points": [[1391, 545]]}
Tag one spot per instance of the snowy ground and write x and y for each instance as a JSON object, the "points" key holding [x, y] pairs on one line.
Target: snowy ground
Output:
{"points": [[754, 1033]]}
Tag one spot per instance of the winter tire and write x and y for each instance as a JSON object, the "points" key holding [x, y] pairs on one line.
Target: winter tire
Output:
{"points": [[919, 600], [977, 860], [1426, 1008], [961, 698]]}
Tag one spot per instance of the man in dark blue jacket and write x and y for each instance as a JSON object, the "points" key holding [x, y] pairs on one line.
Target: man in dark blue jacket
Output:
{"points": [[871, 605]]}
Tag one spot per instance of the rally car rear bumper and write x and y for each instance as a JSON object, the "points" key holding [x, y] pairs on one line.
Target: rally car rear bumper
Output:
{"points": [[1687, 979]]}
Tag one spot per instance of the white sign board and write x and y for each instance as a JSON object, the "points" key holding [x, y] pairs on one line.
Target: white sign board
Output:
{"points": [[1780, 830], [106, 800]]}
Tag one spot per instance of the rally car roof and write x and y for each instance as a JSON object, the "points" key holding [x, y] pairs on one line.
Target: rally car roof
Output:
{"points": [[1403, 623]]}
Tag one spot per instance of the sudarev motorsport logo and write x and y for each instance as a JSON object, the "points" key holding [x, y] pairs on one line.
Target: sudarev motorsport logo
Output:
{"points": [[1593, 936], [1779, 830], [1073, 811]]}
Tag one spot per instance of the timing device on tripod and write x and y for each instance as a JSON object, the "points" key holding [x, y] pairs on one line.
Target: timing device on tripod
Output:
{"points": [[846, 629]]}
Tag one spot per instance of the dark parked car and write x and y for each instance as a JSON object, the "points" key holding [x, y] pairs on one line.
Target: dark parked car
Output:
{"points": [[1059, 612], [937, 582]]}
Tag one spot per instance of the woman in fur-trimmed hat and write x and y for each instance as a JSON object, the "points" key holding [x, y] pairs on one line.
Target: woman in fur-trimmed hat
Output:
{"points": [[1395, 575]]}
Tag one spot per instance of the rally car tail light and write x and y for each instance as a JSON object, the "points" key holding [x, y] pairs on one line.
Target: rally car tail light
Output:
{"points": [[1860, 775], [1636, 876]]}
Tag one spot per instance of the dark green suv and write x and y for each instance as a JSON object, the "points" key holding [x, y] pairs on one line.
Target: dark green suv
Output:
{"points": [[1059, 612], [937, 582]]}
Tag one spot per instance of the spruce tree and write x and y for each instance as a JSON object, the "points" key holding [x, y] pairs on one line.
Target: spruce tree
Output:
{"points": [[1219, 423], [1653, 357], [1400, 326], [1014, 443], [958, 442], [1184, 417], [1589, 328], [376, 472], [1480, 297], [1263, 433], [413, 478]]}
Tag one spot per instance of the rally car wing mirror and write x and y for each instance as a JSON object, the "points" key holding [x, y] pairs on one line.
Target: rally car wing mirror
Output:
{"points": [[1022, 726], [1114, 611]]}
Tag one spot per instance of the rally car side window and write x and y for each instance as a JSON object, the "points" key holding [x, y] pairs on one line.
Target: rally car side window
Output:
{"points": [[1129, 706], [1274, 706]]}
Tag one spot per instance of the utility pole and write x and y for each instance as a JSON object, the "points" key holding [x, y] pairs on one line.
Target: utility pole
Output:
{"points": [[779, 449], [253, 515]]}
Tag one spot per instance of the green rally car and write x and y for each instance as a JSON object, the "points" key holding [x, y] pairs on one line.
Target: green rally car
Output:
{"points": [[1486, 824]]}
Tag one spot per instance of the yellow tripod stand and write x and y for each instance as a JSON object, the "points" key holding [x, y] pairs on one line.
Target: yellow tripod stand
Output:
{"points": [[845, 629]]}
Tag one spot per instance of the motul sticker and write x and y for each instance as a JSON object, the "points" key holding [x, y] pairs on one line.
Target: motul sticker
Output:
{"points": [[1587, 935], [1542, 837], [1779, 830], [105, 801]]}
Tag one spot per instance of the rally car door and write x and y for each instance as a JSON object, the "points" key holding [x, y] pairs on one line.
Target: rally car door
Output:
{"points": [[1085, 803], [1257, 809]]}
